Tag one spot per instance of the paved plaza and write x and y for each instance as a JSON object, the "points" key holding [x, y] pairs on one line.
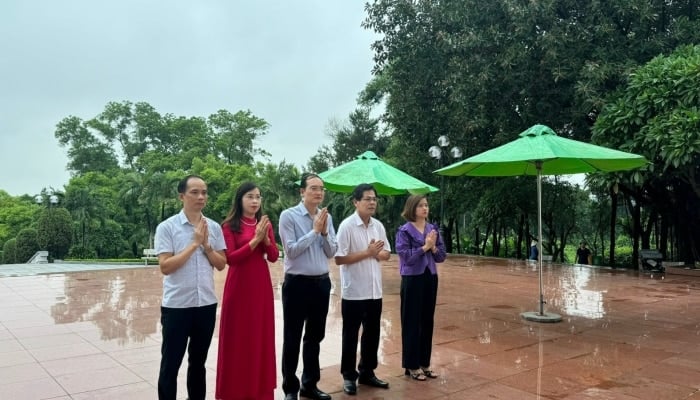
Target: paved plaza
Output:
{"points": [[71, 331]]}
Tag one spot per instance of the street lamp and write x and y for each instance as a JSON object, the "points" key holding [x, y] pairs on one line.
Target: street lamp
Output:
{"points": [[436, 152], [52, 198], [47, 225]]}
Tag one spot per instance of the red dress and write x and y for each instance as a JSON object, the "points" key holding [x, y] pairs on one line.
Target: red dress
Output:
{"points": [[246, 364]]}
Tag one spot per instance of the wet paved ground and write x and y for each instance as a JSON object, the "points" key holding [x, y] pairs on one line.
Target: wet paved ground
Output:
{"points": [[95, 334]]}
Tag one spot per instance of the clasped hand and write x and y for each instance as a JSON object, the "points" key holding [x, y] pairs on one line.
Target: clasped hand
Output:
{"points": [[201, 233], [321, 221], [375, 247], [430, 240], [261, 230]]}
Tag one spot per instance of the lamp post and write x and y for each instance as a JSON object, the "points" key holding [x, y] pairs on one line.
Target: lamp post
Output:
{"points": [[47, 232], [49, 199], [437, 153]]}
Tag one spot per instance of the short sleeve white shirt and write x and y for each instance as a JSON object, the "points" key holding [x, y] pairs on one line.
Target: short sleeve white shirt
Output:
{"points": [[361, 280], [191, 285]]}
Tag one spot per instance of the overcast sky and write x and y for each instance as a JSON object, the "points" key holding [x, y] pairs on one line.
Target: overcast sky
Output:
{"points": [[295, 64]]}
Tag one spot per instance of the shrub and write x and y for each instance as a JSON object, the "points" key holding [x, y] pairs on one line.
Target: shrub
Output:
{"points": [[623, 257], [81, 252], [27, 244], [126, 255], [55, 231], [9, 252]]}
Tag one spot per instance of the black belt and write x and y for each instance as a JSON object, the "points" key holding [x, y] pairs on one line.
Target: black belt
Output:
{"points": [[309, 277]]}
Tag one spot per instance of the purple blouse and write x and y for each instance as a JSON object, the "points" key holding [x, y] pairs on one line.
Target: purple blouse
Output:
{"points": [[412, 259]]}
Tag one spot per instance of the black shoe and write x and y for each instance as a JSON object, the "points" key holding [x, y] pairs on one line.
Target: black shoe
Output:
{"points": [[349, 387], [290, 396], [314, 394], [374, 381]]}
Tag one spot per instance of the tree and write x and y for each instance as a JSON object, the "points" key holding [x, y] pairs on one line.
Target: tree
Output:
{"points": [[55, 231], [235, 134], [27, 244], [86, 152], [16, 213], [360, 133], [481, 72], [9, 252], [277, 184], [658, 115]]}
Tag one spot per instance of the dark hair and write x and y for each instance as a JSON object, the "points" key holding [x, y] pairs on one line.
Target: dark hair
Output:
{"points": [[409, 209], [182, 185], [360, 190], [233, 219], [305, 177]]}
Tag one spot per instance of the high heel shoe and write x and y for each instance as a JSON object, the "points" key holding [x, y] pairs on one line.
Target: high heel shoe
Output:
{"points": [[429, 372], [416, 374]]}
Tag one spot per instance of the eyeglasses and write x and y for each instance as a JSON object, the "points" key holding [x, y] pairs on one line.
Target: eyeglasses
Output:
{"points": [[370, 199], [253, 197], [316, 188]]}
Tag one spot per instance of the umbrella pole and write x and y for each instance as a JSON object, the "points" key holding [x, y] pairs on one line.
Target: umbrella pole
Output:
{"points": [[540, 316], [539, 233]]}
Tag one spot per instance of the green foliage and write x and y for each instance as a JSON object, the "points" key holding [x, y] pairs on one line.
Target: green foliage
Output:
{"points": [[81, 252], [9, 252], [27, 244], [135, 137], [624, 257], [126, 255], [55, 231], [361, 132], [15, 213], [658, 115], [235, 134], [481, 72]]}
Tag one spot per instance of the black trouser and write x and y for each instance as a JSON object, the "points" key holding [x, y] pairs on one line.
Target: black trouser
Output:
{"points": [[179, 325], [366, 313], [304, 302], [418, 297]]}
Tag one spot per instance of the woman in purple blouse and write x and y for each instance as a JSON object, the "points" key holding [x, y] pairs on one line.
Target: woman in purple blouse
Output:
{"points": [[419, 247]]}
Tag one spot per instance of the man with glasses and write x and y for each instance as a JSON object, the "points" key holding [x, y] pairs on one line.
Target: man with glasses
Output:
{"points": [[362, 244], [308, 238]]}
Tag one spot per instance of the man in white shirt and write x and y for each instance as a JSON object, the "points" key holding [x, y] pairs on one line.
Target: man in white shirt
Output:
{"points": [[362, 244], [189, 246]]}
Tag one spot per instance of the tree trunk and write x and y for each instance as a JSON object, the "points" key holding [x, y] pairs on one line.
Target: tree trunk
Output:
{"points": [[494, 241], [447, 235], [613, 222], [477, 241], [519, 240], [486, 239], [459, 245], [635, 212]]}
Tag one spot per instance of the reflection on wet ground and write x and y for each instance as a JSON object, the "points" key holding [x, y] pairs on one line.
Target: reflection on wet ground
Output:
{"points": [[625, 335]]}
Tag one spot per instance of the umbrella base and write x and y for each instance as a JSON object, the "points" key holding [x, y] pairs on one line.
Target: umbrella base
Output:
{"points": [[544, 317]]}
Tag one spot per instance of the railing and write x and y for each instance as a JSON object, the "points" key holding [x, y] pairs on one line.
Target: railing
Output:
{"points": [[149, 254], [40, 257]]}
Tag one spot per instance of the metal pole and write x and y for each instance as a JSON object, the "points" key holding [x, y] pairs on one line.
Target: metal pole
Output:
{"points": [[539, 230], [540, 316], [442, 203]]}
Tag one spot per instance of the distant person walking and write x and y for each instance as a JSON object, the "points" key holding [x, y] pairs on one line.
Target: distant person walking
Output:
{"points": [[189, 247], [534, 253], [583, 255]]}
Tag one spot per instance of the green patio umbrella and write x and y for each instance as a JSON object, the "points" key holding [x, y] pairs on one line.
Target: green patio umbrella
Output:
{"points": [[368, 168], [539, 151]]}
